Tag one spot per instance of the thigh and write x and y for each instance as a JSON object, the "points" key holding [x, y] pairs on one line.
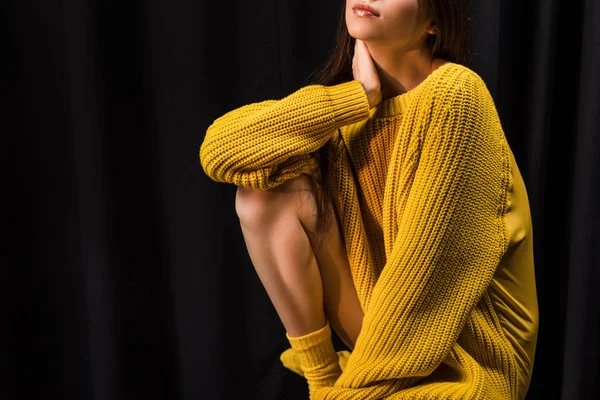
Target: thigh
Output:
{"points": [[340, 299]]}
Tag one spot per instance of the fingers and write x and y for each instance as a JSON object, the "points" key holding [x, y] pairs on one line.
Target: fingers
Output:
{"points": [[364, 70]]}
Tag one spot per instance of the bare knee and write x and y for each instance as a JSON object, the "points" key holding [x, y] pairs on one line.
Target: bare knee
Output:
{"points": [[252, 205], [256, 207]]}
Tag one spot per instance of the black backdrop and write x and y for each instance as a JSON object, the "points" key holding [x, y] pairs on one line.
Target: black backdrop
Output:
{"points": [[125, 268]]}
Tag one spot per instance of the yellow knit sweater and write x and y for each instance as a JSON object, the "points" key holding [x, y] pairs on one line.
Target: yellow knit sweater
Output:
{"points": [[436, 222]]}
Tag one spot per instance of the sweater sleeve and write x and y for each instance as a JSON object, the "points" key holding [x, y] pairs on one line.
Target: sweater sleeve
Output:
{"points": [[263, 144], [450, 238]]}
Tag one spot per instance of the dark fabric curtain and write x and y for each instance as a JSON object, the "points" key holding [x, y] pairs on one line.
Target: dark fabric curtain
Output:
{"points": [[125, 272]]}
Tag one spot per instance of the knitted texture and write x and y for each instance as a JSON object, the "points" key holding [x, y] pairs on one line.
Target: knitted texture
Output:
{"points": [[290, 360], [422, 187], [318, 359]]}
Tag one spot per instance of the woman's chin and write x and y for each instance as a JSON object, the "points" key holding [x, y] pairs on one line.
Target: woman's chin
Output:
{"points": [[362, 34], [363, 37]]}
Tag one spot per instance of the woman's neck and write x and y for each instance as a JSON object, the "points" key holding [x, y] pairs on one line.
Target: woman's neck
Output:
{"points": [[400, 70]]}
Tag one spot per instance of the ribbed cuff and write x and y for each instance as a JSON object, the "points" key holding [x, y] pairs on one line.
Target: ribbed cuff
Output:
{"points": [[349, 102], [318, 359]]}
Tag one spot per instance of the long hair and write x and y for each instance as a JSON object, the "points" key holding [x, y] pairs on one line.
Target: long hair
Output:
{"points": [[453, 21]]}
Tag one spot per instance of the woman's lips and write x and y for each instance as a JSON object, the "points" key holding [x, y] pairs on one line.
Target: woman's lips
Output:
{"points": [[364, 10], [363, 13]]}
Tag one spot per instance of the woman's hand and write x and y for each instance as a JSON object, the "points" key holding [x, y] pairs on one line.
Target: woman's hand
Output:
{"points": [[364, 70]]}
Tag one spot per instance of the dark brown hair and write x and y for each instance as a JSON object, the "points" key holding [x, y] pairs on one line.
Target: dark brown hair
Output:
{"points": [[452, 19]]}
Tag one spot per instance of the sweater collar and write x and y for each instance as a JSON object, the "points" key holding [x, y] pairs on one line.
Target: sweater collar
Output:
{"points": [[398, 104]]}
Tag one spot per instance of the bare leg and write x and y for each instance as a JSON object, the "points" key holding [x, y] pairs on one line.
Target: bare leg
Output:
{"points": [[342, 306], [306, 287], [282, 255]]}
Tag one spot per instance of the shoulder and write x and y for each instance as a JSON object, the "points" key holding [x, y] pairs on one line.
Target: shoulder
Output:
{"points": [[461, 106], [456, 95], [459, 84], [455, 102]]}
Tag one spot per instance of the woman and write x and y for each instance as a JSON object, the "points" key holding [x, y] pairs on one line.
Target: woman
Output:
{"points": [[383, 201]]}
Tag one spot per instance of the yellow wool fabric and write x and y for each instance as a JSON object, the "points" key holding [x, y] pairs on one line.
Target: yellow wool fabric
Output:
{"points": [[317, 358], [435, 220]]}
